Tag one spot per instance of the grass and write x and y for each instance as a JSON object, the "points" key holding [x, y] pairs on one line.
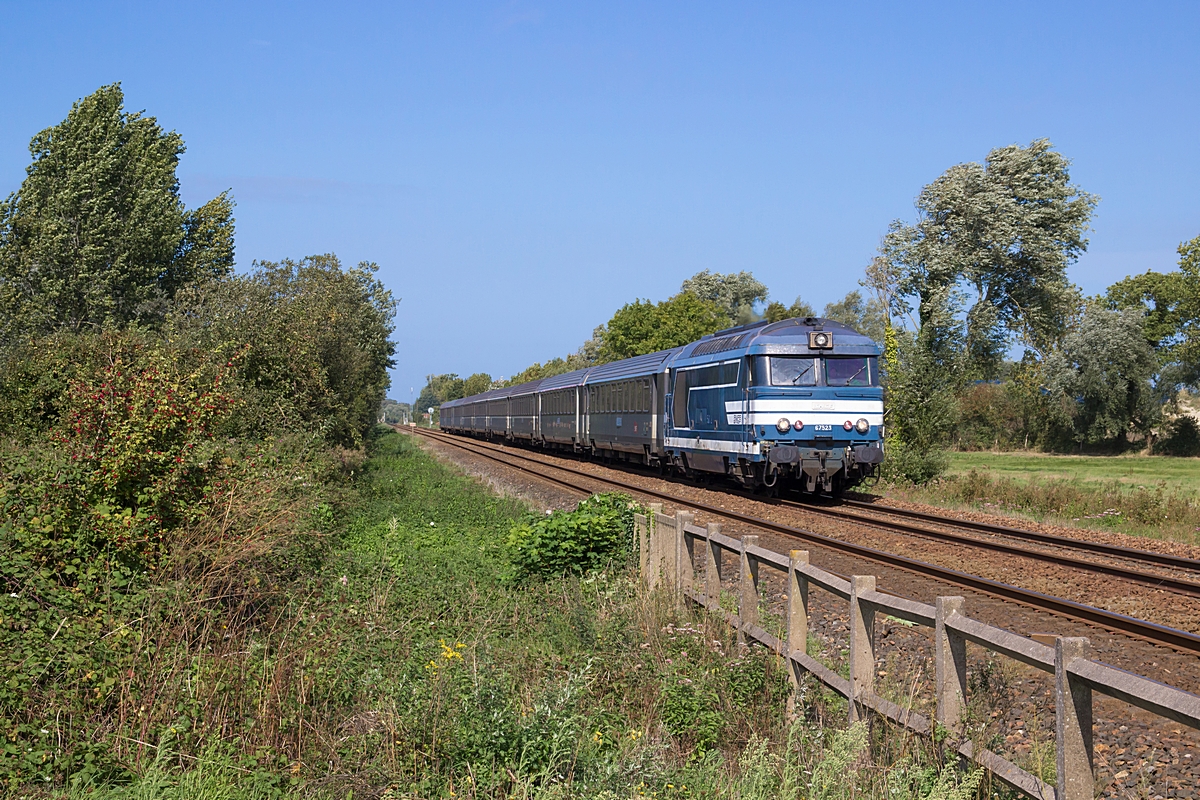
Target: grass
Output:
{"points": [[1127, 471], [1149, 496], [424, 673]]}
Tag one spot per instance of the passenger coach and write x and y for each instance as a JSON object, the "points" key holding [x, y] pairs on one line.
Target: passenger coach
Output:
{"points": [[793, 404]]}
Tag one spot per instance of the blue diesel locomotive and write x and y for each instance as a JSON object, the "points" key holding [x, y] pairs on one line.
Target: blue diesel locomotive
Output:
{"points": [[790, 404]]}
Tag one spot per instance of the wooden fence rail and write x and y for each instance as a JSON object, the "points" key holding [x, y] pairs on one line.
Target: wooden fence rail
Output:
{"points": [[668, 561]]}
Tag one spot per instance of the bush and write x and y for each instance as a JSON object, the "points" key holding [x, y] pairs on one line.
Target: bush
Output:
{"points": [[907, 464], [598, 531], [1182, 439]]}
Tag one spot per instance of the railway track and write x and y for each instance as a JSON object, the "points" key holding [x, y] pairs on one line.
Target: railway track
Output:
{"points": [[1155, 580], [1140, 556], [1182, 641]]}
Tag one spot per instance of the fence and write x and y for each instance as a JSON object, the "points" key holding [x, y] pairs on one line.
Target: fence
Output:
{"points": [[668, 561]]}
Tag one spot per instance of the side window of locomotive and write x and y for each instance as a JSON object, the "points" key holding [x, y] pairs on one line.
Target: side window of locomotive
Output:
{"points": [[850, 371], [793, 371], [679, 410]]}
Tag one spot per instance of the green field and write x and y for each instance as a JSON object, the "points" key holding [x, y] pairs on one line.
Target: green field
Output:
{"points": [[1181, 474]]}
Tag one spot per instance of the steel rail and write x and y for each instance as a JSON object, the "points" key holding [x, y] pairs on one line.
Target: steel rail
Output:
{"points": [[1183, 641], [1153, 579], [1129, 553]]}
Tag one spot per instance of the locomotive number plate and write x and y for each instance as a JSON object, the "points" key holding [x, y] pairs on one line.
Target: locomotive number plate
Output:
{"points": [[822, 427]]}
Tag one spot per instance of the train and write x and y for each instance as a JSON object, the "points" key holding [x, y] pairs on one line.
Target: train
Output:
{"points": [[789, 405]]}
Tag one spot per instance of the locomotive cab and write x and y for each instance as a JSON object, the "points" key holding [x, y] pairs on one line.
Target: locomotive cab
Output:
{"points": [[816, 416]]}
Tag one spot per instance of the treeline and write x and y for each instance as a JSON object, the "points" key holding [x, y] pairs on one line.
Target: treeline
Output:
{"points": [[706, 302], [987, 344], [172, 439]]}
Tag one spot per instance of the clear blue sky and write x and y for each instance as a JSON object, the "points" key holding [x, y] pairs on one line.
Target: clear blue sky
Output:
{"points": [[520, 170]]}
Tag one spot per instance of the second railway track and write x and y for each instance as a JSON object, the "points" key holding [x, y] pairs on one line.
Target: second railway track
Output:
{"points": [[1183, 641], [1156, 580]]}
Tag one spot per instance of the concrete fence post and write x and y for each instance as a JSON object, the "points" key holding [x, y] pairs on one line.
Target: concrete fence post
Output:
{"points": [[862, 645], [1073, 723], [654, 555], [950, 665], [670, 553], [685, 567], [712, 568], [658, 533], [797, 619], [641, 531], [747, 588]]}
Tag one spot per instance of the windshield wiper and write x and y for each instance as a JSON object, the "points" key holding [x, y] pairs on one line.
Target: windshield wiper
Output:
{"points": [[855, 375], [796, 379]]}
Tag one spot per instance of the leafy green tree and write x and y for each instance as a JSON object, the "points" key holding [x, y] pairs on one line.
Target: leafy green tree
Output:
{"points": [[1170, 304], [921, 408], [643, 327], [778, 311], [865, 316], [477, 383], [439, 389], [97, 236], [311, 341], [736, 293], [1001, 235], [1100, 378]]}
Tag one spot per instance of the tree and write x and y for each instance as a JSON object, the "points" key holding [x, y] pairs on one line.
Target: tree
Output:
{"points": [[476, 384], [998, 236], [439, 389], [643, 327], [735, 293], [865, 316], [311, 341], [778, 311], [1170, 305], [921, 409], [96, 235], [1100, 379]]}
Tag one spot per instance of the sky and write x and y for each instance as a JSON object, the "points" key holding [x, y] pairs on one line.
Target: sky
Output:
{"points": [[520, 170]]}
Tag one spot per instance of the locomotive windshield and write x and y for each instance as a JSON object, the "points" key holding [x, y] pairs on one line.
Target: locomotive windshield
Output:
{"points": [[852, 371], [810, 371], [787, 371]]}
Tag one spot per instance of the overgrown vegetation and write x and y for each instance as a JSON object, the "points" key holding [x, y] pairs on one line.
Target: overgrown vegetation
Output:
{"points": [[174, 444], [403, 663]]}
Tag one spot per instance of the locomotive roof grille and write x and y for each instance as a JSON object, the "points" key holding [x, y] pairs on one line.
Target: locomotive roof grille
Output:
{"points": [[719, 345]]}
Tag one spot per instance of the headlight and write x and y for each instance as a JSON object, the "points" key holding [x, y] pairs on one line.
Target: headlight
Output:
{"points": [[798, 425], [848, 425], [783, 425], [862, 426]]}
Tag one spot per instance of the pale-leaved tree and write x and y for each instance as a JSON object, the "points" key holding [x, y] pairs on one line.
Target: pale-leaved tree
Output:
{"points": [[97, 235]]}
